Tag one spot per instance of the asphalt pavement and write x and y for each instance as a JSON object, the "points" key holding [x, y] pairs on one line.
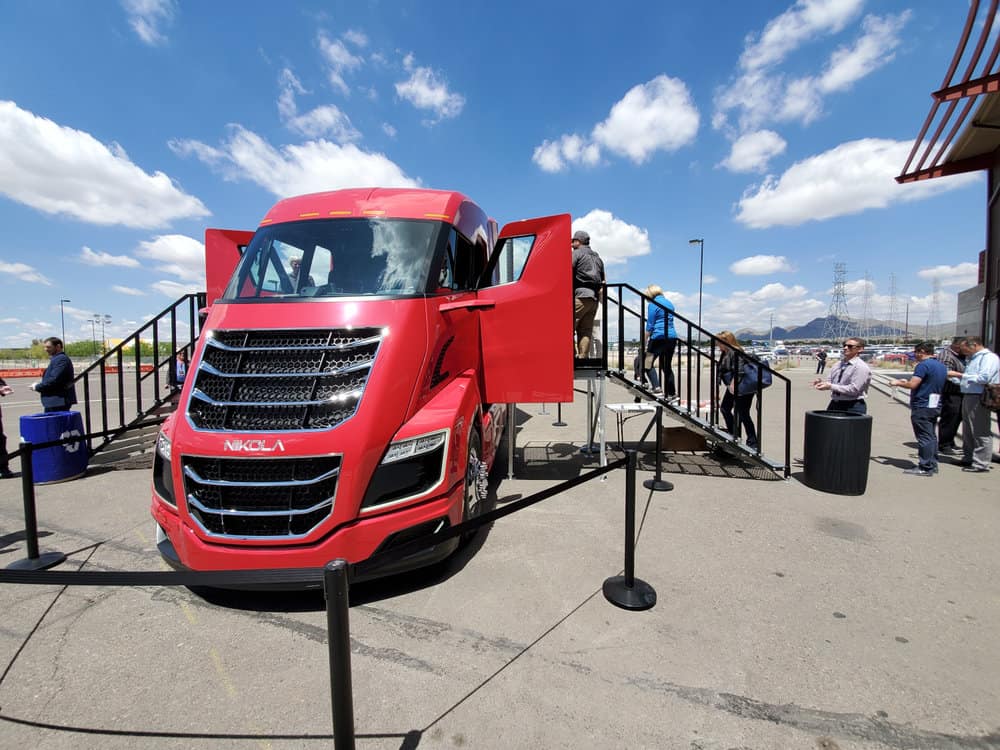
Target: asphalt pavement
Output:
{"points": [[785, 617]]}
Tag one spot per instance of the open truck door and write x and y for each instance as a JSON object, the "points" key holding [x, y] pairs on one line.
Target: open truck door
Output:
{"points": [[526, 318], [223, 250]]}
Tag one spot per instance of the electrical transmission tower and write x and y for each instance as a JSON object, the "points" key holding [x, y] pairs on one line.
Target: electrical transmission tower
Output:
{"points": [[935, 315], [837, 326], [866, 309], [893, 306]]}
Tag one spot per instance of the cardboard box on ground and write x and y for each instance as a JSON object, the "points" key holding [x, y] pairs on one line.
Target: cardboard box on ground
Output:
{"points": [[682, 439]]}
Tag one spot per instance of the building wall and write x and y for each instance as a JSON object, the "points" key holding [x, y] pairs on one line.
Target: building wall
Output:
{"points": [[989, 267], [969, 321]]}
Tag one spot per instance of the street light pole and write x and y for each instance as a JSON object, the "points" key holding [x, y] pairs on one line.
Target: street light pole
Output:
{"points": [[701, 275], [93, 335], [62, 318]]}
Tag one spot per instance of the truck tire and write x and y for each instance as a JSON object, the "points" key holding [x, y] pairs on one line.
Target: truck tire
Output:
{"points": [[473, 502]]}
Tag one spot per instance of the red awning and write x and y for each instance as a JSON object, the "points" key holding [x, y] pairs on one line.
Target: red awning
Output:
{"points": [[949, 141]]}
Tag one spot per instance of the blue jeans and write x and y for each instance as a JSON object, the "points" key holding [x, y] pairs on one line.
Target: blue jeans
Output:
{"points": [[924, 422], [660, 355]]}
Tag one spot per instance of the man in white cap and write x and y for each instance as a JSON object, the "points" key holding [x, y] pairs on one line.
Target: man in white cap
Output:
{"points": [[588, 280]]}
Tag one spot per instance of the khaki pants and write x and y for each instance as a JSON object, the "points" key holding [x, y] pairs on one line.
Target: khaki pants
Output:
{"points": [[584, 312]]}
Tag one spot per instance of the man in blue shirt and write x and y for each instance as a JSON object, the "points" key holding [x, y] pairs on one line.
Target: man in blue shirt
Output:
{"points": [[981, 367], [926, 384]]}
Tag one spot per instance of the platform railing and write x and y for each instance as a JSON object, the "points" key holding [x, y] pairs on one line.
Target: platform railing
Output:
{"points": [[178, 325], [694, 368]]}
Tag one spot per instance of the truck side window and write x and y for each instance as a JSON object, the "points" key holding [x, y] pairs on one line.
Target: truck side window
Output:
{"points": [[446, 273], [508, 261], [468, 262]]}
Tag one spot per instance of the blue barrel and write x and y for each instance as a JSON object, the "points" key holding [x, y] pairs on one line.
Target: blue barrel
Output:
{"points": [[60, 462]]}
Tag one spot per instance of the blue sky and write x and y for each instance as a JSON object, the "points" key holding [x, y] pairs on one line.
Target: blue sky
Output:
{"points": [[772, 129]]}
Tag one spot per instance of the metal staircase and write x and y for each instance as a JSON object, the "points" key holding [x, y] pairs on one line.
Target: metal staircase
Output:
{"points": [[134, 386], [696, 359]]}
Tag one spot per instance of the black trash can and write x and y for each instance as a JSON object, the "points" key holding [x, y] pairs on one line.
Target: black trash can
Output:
{"points": [[836, 451]]}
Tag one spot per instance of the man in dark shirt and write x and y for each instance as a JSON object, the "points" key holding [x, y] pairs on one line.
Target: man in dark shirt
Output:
{"points": [[925, 385], [5, 472], [951, 399], [588, 281], [56, 385]]}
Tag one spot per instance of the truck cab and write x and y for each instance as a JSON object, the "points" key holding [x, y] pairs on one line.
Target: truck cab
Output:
{"points": [[351, 383]]}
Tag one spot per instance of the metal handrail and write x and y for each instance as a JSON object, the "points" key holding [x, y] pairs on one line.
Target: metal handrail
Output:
{"points": [[697, 350], [183, 314]]}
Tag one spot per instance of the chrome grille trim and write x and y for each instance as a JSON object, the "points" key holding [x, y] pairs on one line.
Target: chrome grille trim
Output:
{"points": [[189, 472], [335, 347], [192, 500], [259, 498], [320, 402], [350, 368], [281, 380]]}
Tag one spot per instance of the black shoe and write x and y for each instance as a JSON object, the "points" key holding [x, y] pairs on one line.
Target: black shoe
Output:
{"points": [[948, 450], [918, 472], [974, 469], [7, 474]]}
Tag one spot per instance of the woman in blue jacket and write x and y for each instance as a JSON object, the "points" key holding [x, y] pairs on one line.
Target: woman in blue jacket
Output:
{"points": [[661, 340]]}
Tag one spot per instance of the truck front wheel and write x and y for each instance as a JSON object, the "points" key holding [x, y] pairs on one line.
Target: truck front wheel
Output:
{"points": [[475, 491]]}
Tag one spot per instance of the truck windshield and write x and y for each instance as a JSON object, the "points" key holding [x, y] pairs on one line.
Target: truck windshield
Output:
{"points": [[337, 258]]}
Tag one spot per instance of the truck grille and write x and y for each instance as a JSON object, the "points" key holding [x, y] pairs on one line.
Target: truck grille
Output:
{"points": [[260, 497], [249, 381]]}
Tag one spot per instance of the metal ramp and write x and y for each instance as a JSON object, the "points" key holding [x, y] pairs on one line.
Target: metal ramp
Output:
{"points": [[713, 434]]}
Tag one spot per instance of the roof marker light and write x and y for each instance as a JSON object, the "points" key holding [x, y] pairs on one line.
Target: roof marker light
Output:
{"points": [[308, 214], [340, 213], [445, 217], [374, 212]]}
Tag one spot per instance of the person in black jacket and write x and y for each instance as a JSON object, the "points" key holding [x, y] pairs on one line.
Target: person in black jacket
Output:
{"points": [[739, 390], [5, 472], [56, 385], [178, 371]]}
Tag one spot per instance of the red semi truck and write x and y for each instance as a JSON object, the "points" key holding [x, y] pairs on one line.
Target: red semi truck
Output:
{"points": [[351, 382]]}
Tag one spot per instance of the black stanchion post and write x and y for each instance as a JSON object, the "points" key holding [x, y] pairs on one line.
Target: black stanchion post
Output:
{"points": [[33, 561], [337, 589], [657, 483], [627, 591], [559, 422]]}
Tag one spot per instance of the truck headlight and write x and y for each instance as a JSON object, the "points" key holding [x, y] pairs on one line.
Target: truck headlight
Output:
{"points": [[409, 468], [163, 478]]}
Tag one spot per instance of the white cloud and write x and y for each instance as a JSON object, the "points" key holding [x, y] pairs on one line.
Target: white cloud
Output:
{"points": [[175, 289], [146, 17], [760, 265], [340, 61], [312, 166], [326, 120], [655, 116], [355, 37], [962, 274], [130, 291], [59, 170], [613, 239], [709, 279], [389, 130], [553, 156], [177, 255], [759, 92], [848, 179], [92, 258], [23, 272], [797, 25], [875, 48], [424, 89], [770, 292], [752, 152]]}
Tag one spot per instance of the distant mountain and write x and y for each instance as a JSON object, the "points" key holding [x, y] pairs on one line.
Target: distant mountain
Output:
{"points": [[878, 329]]}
